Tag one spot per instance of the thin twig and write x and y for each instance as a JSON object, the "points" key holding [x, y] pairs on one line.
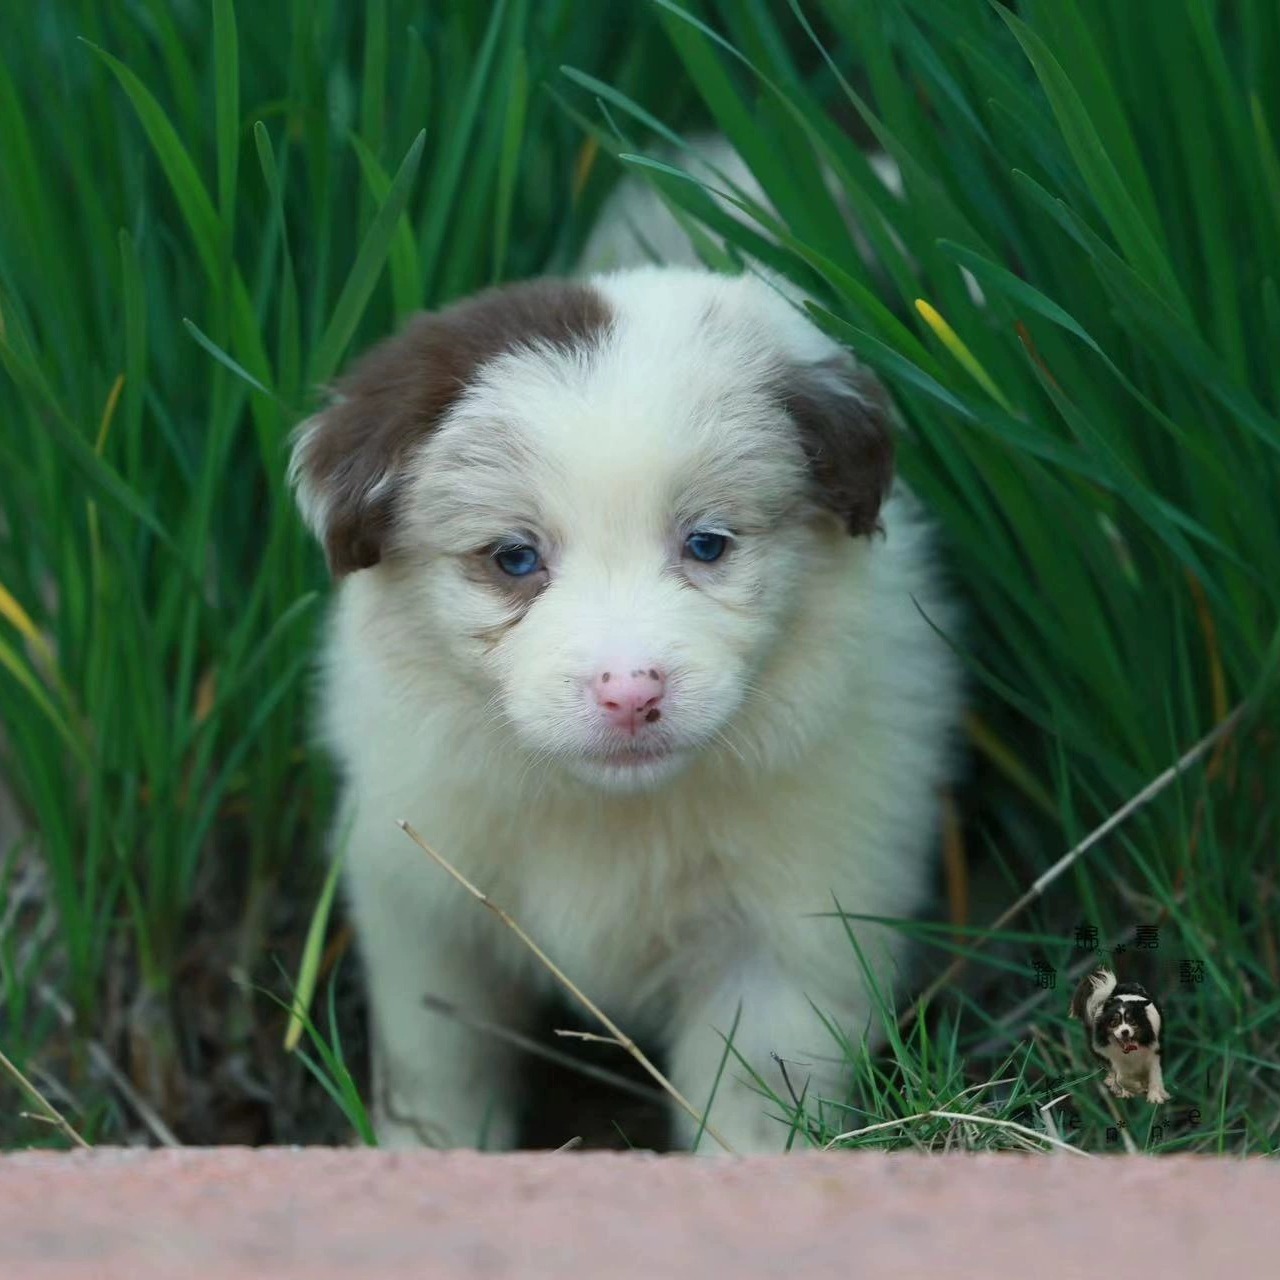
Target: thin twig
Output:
{"points": [[589, 1036], [1050, 1121], [145, 1111], [37, 1117], [531, 1046], [97, 1053], [1068, 859], [986, 1084], [51, 1112], [565, 981], [965, 1119], [103, 1061]]}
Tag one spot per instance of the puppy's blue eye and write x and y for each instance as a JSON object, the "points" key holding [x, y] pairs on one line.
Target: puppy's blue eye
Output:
{"points": [[518, 561], [705, 546]]}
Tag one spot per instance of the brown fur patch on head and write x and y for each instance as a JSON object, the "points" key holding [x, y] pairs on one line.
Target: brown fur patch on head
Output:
{"points": [[348, 462], [843, 414]]}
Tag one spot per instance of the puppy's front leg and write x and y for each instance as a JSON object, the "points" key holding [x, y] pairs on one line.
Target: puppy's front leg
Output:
{"points": [[776, 1019], [1156, 1091], [436, 1080]]}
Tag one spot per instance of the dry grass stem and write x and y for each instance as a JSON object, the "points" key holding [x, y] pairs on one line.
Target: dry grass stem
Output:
{"points": [[103, 1061], [1068, 859], [586, 1035], [539, 1050], [986, 1084], [567, 983], [50, 1112], [960, 1118]]}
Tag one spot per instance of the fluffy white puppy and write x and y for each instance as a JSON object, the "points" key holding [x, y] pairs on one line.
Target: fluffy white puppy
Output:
{"points": [[634, 627]]}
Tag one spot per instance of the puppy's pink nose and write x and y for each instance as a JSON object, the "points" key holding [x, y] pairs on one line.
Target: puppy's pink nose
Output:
{"points": [[628, 699]]}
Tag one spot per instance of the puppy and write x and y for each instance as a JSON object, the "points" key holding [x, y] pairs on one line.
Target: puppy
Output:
{"points": [[1123, 1023], [633, 625]]}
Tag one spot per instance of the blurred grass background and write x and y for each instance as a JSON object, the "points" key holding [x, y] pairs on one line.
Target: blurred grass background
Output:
{"points": [[204, 207]]}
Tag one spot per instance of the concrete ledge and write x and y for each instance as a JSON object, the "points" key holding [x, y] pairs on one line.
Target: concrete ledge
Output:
{"points": [[232, 1213]]}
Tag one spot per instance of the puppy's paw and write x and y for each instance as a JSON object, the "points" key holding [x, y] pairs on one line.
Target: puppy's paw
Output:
{"points": [[1157, 1094]]}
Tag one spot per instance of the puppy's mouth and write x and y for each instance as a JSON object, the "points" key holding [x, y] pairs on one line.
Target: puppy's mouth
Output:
{"points": [[630, 766], [632, 757], [1129, 1046]]}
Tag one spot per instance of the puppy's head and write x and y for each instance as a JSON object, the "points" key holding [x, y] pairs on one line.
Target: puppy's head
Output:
{"points": [[600, 503], [1129, 1022]]}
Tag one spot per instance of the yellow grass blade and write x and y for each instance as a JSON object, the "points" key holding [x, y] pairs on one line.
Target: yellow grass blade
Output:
{"points": [[20, 619], [108, 412], [964, 357]]}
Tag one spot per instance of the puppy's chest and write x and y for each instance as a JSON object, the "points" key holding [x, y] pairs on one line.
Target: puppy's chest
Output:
{"points": [[1132, 1066], [622, 911]]}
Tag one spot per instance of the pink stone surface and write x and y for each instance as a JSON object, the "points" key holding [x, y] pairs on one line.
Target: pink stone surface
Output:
{"points": [[232, 1213]]}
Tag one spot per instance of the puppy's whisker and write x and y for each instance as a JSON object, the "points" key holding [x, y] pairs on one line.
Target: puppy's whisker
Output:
{"points": [[720, 736]]}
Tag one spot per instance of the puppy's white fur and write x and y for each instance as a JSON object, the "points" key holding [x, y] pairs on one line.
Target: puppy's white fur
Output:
{"points": [[808, 720]]}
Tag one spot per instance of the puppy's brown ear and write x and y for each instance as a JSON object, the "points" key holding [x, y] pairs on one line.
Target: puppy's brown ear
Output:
{"points": [[350, 460], [843, 415]]}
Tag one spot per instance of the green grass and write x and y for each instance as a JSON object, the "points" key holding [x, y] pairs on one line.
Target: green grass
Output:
{"points": [[230, 201], [241, 196], [1099, 439]]}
